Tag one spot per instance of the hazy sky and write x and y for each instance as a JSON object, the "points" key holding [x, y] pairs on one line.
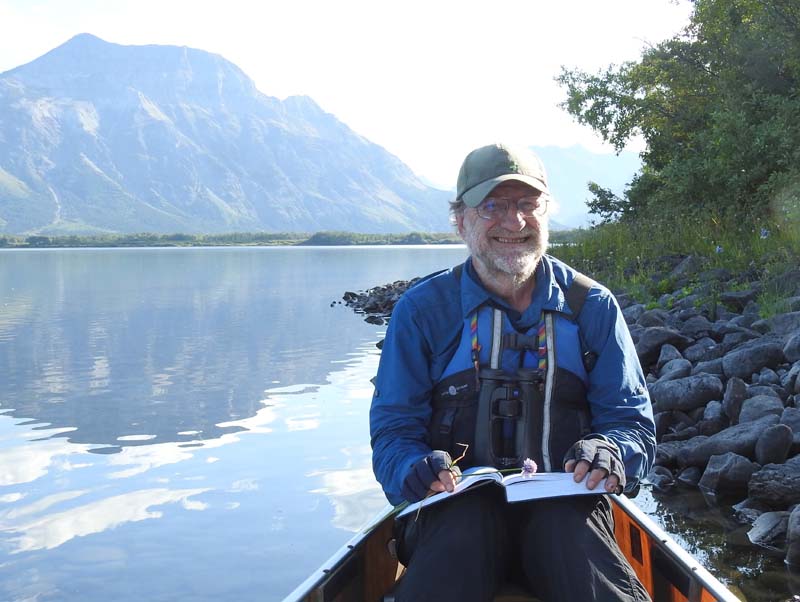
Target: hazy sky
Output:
{"points": [[427, 80]]}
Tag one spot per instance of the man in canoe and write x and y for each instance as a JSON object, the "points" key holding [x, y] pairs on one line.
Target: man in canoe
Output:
{"points": [[511, 356]]}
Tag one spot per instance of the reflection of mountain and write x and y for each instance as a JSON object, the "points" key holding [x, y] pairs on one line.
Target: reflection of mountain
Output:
{"points": [[165, 345]]}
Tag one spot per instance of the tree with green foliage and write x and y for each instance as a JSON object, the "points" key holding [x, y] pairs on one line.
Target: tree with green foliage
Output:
{"points": [[717, 106]]}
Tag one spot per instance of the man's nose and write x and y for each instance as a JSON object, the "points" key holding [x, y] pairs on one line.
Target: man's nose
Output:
{"points": [[513, 218]]}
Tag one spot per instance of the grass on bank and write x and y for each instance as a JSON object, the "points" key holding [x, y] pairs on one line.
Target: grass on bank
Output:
{"points": [[637, 256]]}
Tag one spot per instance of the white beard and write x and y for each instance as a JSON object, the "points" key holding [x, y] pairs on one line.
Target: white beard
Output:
{"points": [[517, 261]]}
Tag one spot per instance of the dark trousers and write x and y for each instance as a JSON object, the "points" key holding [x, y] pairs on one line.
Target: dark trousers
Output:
{"points": [[559, 549]]}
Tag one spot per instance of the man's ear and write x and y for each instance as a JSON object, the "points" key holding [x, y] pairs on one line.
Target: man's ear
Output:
{"points": [[460, 223]]}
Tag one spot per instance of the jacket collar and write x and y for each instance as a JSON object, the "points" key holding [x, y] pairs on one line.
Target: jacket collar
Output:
{"points": [[548, 294]]}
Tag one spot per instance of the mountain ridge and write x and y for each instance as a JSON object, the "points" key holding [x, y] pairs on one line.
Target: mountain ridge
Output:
{"points": [[166, 138]]}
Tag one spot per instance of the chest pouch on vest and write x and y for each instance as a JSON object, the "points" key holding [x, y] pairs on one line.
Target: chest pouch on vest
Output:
{"points": [[508, 404]]}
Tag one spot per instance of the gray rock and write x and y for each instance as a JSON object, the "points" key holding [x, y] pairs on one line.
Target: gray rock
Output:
{"points": [[753, 390], [789, 379], [714, 411], [674, 369], [740, 439], [688, 302], [781, 324], [735, 394], [682, 435], [696, 327], [668, 353], [732, 340], [685, 314], [727, 475], [791, 418], [710, 367], [686, 393], [793, 538], [714, 419], [661, 478], [777, 485], [649, 345], [667, 453], [767, 376], [703, 350], [769, 530], [773, 445], [747, 511], [689, 266], [792, 348], [633, 313], [760, 406], [653, 317], [690, 476], [745, 320], [746, 360], [737, 300]]}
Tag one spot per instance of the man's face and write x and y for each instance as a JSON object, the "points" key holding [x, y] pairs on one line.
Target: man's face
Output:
{"points": [[510, 244]]}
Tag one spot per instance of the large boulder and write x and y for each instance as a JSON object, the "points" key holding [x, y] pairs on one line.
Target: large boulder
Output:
{"points": [[793, 539], [744, 361], [651, 339], [774, 444], [704, 350], [727, 475], [685, 393], [710, 367], [737, 300], [791, 418], [675, 369], [792, 348], [667, 354], [780, 324], [696, 327], [735, 394], [777, 485], [760, 406], [740, 439], [769, 530]]}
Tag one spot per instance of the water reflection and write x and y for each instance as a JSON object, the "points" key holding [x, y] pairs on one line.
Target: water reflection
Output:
{"points": [[198, 409], [50, 530], [125, 344], [711, 535]]}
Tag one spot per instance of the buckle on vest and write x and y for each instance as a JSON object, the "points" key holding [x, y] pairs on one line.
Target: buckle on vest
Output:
{"points": [[517, 341]]}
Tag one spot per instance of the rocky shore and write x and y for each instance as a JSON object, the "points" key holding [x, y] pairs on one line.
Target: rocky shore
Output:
{"points": [[725, 387]]}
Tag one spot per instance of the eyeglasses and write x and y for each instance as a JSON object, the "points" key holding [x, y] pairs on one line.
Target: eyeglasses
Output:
{"points": [[528, 206]]}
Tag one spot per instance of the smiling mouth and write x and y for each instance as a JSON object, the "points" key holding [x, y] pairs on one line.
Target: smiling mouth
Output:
{"points": [[511, 241]]}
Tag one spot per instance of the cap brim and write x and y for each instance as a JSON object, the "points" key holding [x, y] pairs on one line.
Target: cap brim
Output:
{"points": [[476, 194]]}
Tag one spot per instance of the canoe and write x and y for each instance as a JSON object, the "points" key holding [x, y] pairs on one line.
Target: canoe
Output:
{"points": [[364, 570]]}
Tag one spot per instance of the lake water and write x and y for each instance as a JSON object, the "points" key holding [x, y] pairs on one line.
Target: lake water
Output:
{"points": [[191, 424]]}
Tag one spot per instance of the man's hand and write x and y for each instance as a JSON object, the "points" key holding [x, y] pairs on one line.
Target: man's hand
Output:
{"points": [[602, 458], [433, 473]]}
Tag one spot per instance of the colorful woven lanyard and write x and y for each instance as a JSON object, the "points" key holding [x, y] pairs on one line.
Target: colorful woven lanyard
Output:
{"points": [[476, 348], [541, 343], [541, 335]]}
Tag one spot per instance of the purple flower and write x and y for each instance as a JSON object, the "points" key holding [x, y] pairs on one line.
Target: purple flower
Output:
{"points": [[764, 233], [529, 468], [718, 249]]}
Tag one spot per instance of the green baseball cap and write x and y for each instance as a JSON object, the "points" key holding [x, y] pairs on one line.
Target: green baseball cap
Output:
{"points": [[486, 167]]}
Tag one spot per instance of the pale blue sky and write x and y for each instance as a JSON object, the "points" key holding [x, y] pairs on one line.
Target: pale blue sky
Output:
{"points": [[426, 79]]}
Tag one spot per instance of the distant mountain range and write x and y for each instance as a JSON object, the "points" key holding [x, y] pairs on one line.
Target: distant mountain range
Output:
{"points": [[98, 137], [102, 138]]}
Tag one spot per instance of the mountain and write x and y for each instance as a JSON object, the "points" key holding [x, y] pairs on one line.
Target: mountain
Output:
{"points": [[99, 137], [570, 169]]}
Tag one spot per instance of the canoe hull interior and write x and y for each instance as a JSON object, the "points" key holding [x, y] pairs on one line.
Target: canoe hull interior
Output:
{"points": [[364, 570]]}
